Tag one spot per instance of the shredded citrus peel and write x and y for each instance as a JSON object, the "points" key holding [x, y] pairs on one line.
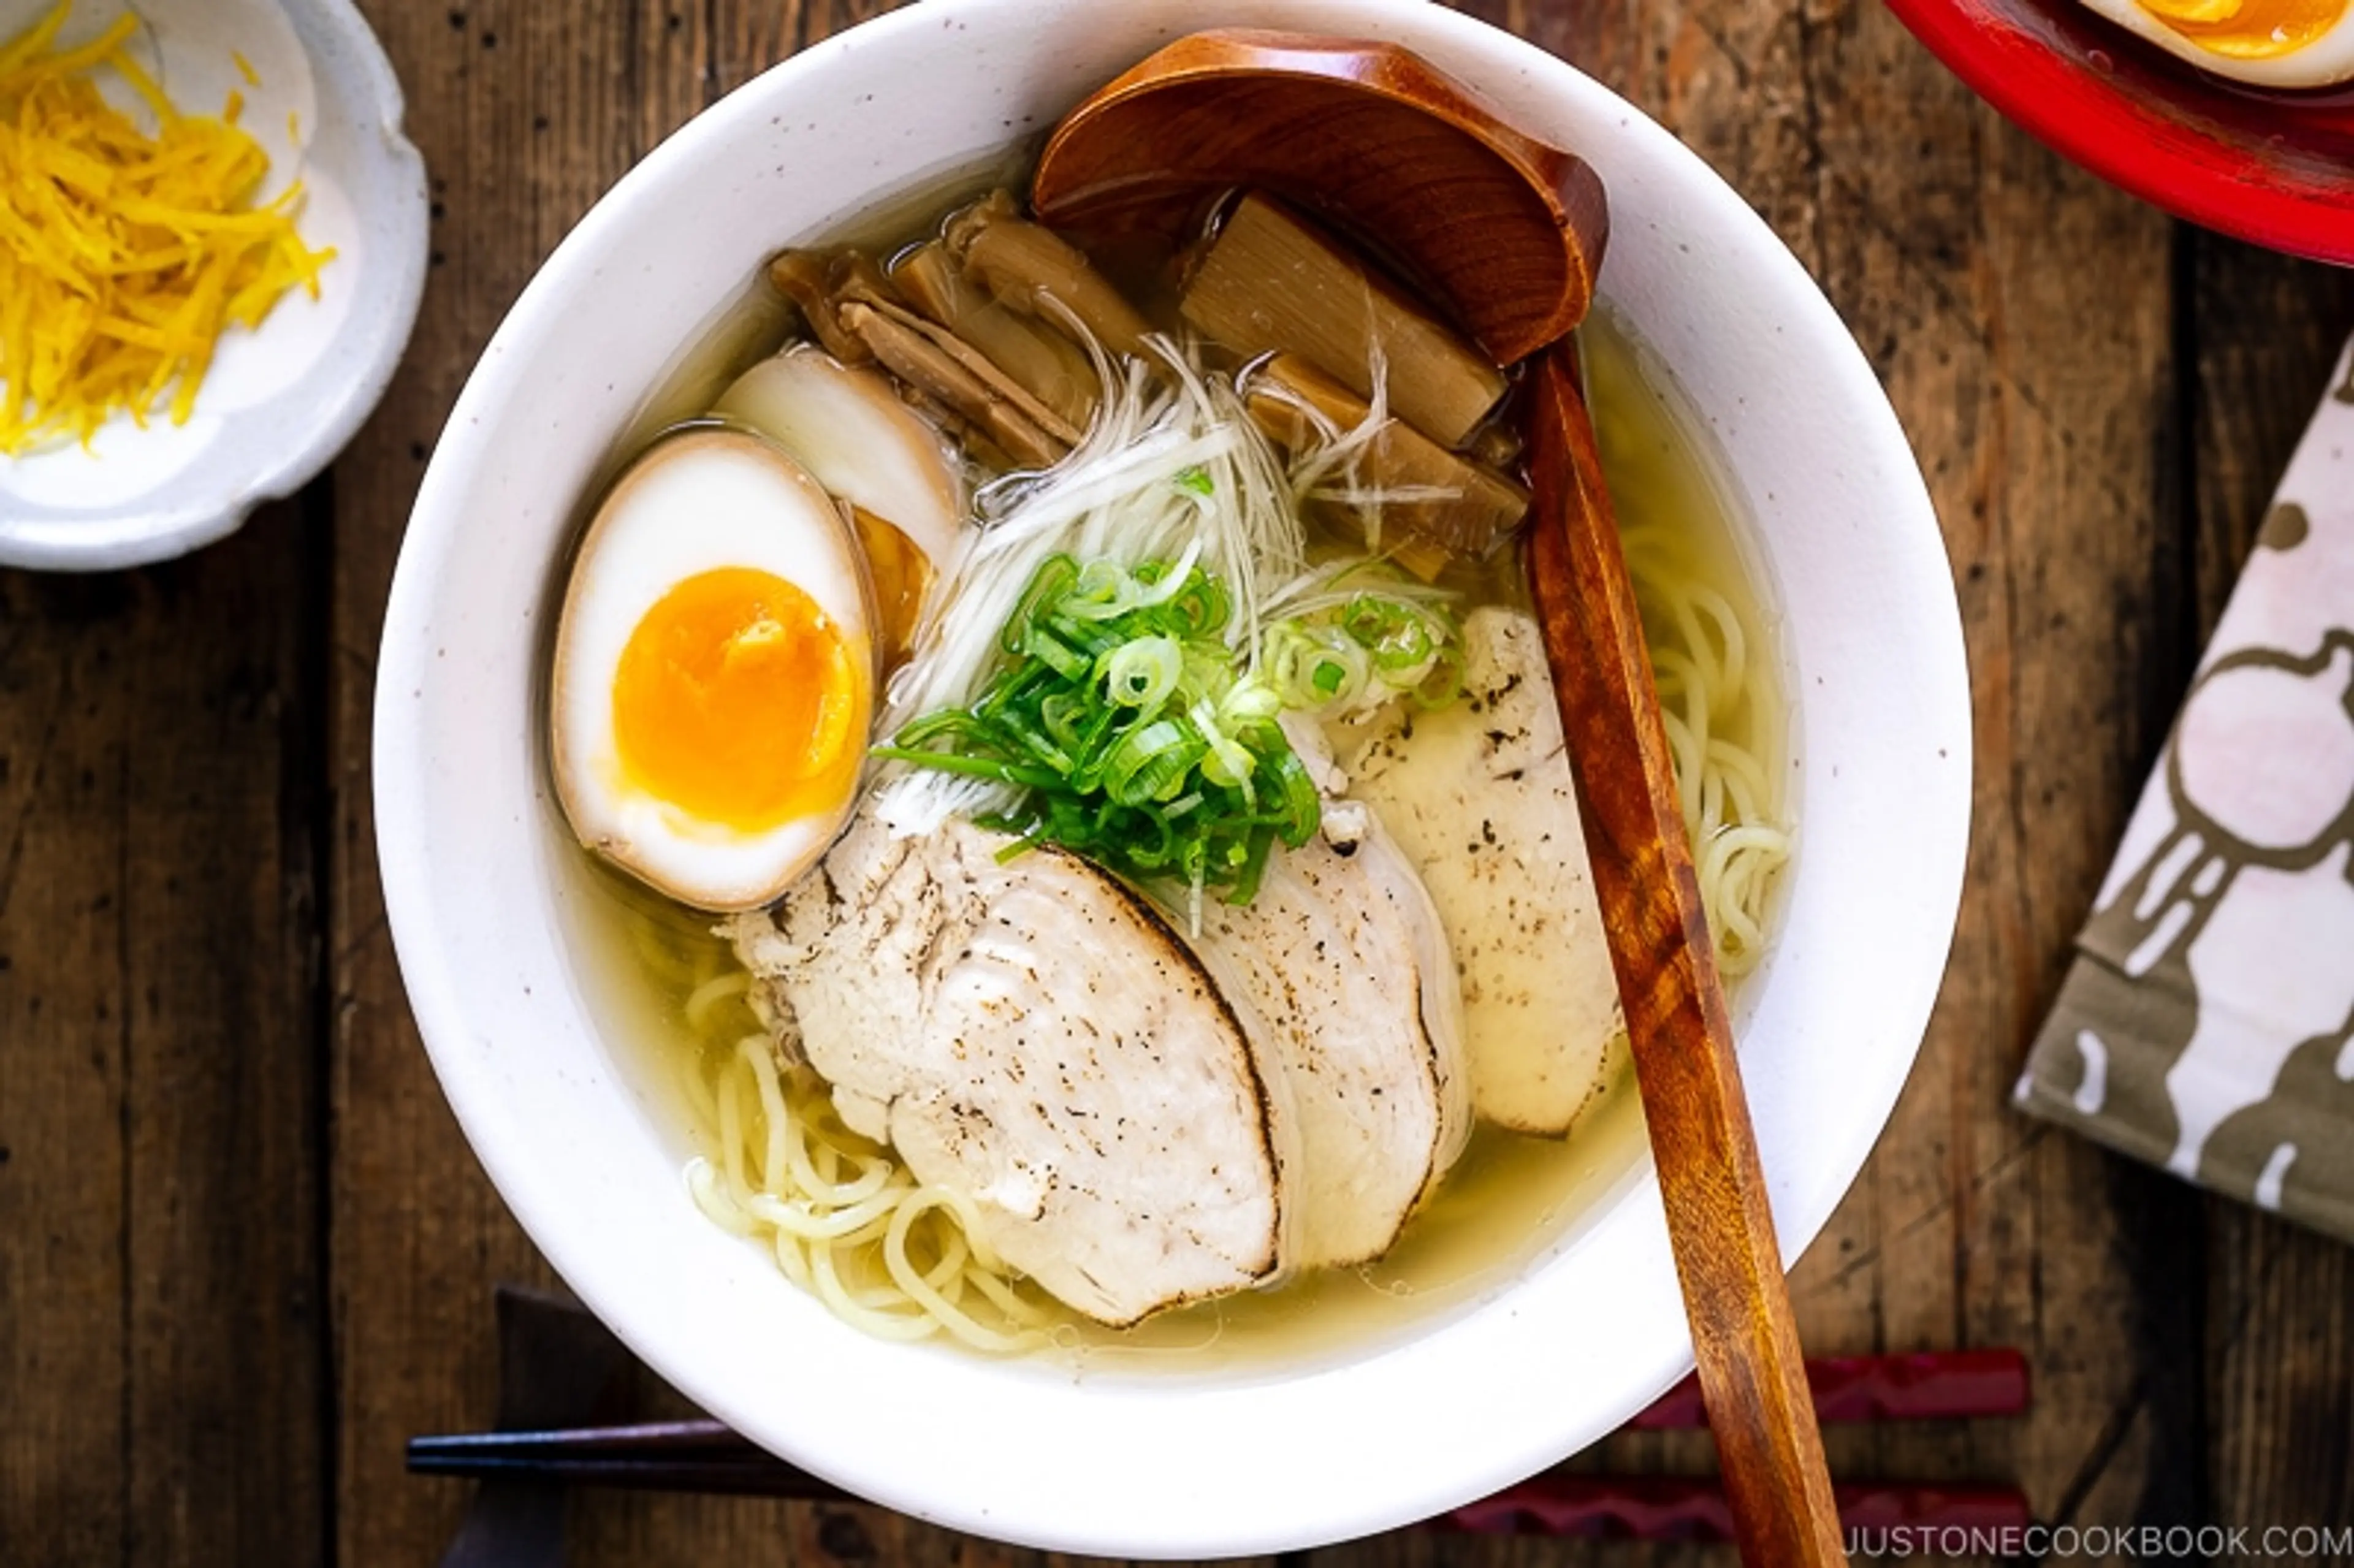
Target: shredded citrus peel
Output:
{"points": [[123, 255]]}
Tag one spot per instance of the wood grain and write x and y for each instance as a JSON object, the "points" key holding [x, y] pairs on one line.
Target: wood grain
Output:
{"points": [[2039, 398], [525, 114], [161, 1323], [64, 1286], [2042, 396]]}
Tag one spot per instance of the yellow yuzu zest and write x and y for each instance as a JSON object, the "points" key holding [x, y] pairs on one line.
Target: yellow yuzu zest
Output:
{"points": [[123, 255]]}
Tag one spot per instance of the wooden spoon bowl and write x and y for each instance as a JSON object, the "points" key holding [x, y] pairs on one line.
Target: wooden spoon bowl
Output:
{"points": [[1366, 135]]}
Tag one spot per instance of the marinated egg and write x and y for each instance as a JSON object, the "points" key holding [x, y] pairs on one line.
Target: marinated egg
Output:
{"points": [[2272, 43], [714, 672]]}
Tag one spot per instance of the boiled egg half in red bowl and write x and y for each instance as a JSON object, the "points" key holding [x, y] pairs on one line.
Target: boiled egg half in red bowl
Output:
{"points": [[2235, 115]]}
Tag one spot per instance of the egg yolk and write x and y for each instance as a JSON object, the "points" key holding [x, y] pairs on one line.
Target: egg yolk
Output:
{"points": [[741, 702], [2249, 30]]}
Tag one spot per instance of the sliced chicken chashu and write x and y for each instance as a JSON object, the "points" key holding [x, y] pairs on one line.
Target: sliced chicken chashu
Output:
{"points": [[1032, 1034], [1478, 796], [1341, 973]]}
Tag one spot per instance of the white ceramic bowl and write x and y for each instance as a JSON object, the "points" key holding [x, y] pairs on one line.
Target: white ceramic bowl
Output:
{"points": [[1547, 1357], [281, 402]]}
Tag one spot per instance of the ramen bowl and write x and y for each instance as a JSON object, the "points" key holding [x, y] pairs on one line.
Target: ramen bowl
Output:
{"points": [[1332, 1432]]}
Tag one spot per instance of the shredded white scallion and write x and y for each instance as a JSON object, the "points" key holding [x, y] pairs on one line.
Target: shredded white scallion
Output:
{"points": [[1172, 468], [1330, 466]]}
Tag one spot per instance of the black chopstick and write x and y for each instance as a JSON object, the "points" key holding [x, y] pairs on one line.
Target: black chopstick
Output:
{"points": [[701, 1455]]}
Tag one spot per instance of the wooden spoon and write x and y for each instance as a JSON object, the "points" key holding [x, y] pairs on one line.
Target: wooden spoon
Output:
{"points": [[1508, 233]]}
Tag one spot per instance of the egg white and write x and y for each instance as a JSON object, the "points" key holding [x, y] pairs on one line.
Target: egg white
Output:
{"points": [[696, 501], [2326, 60]]}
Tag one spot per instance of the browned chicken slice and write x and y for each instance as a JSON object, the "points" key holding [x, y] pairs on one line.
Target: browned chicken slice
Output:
{"points": [[1031, 1034], [1478, 795], [1343, 975]]}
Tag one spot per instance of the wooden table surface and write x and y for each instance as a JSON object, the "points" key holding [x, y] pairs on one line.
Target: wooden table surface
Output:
{"points": [[244, 1251]]}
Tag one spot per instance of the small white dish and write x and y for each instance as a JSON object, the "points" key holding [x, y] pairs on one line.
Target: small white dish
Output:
{"points": [[280, 402], [486, 892]]}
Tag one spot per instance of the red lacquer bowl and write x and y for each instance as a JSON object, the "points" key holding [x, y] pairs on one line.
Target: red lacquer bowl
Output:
{"points": [[2274, 167]]}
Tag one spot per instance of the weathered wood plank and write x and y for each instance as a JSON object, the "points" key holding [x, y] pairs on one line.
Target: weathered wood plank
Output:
{"points": [[2267, 332], [64, 1296], [160, 1097], [222, 969], [2040, 400], [2280, 1301], [525, 113]]}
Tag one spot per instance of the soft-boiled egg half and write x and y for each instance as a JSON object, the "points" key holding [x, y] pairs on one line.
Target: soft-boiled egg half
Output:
{"points": [[715, 671], [2272, 43]]}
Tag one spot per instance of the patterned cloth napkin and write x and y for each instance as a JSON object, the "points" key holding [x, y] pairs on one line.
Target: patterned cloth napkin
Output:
{"points": [[2207, 1025]]}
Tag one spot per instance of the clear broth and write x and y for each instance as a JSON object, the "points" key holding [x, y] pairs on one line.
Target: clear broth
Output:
{"points": [[1512, 1201]]}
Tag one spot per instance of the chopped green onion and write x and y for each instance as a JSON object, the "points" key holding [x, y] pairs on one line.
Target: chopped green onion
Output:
{"points": [[1123, 714], [1313, 666], [1142, 674], [1101, 592], [1126, 719], [1398, 635], [1347, 651]]}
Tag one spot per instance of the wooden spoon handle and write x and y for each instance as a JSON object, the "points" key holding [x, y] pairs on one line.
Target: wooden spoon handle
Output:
{"points": [[1719, 1223]]}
